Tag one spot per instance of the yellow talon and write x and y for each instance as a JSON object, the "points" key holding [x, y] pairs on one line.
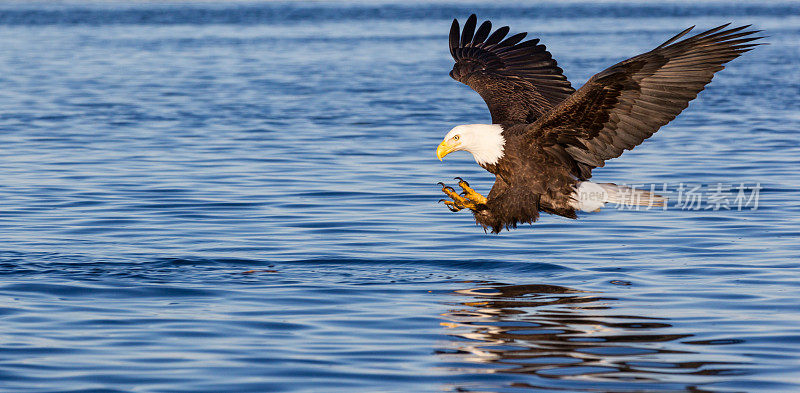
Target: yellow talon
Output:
{"points": [[470, 193], [451, 205], [470, 199]]}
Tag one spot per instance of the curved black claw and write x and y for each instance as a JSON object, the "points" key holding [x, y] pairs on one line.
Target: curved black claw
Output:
{"points": [[458, 178], [441, 184], [450, 205]]}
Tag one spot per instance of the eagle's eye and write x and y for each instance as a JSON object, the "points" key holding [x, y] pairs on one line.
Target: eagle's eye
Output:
{"points": [[455, 138]]}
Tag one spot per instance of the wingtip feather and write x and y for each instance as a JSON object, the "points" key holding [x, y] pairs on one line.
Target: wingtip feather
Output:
{"points": [[469, 30], [482, 33], [454, 37], [676, 37]]}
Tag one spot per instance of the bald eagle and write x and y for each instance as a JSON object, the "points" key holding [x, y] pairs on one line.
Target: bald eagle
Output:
{"points": [[546, 137]]}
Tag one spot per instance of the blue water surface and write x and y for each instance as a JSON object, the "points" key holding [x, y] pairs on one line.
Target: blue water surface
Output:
{"points": [[238, 196]]}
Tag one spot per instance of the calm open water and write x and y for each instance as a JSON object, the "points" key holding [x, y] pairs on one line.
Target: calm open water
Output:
{"points": [[241, 197]]}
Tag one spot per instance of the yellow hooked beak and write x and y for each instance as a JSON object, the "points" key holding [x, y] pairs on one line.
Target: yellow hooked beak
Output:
{"points": [[445, 148]]}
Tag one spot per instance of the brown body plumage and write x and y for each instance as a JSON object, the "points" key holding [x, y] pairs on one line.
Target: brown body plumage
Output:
{"points": [[555, 136]]}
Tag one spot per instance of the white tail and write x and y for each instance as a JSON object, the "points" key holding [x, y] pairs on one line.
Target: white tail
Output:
{"points": [[590, 197]]}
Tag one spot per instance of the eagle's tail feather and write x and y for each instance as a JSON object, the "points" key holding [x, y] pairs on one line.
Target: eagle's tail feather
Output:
{"points": [[590, 197]]}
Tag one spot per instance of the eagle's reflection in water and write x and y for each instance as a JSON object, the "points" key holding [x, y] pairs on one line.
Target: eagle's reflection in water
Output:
{"points": [[567, 339]]}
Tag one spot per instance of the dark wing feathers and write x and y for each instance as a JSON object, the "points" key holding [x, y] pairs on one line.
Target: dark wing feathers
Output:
{"points": [[510, 42], [495, 38], [519, 80], [469, 29], [628, 102], [483, 32], [677, 36]]}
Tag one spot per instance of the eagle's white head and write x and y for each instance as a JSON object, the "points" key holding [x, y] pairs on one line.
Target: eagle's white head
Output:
{"points": [[484, 141]]}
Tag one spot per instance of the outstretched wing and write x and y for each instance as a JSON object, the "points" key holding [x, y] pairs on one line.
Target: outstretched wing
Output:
{"points": [[625, 104], [519, 81]]}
